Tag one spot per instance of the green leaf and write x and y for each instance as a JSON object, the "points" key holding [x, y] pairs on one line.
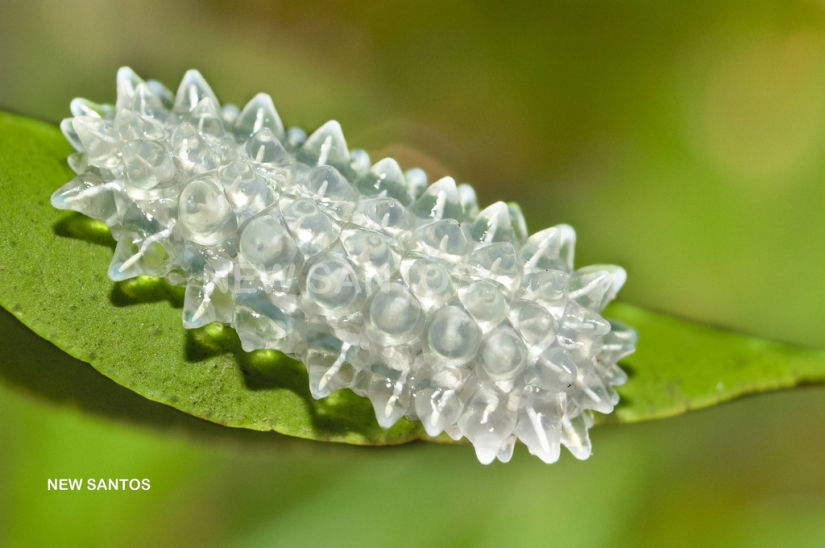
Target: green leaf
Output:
{"points": [[680, 366], [53, 279]]}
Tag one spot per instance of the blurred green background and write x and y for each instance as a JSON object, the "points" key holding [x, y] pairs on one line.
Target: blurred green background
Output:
{"points": [[683, 140]]}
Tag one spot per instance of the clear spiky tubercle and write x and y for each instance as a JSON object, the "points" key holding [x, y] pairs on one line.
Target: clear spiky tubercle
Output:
{"points": [[402, 292]]}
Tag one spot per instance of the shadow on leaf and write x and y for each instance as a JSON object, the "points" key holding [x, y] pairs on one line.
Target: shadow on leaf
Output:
{"points": [[341, 412], [629, 370], [146, 289], [35, 365], [336, 416], [79, 227]]}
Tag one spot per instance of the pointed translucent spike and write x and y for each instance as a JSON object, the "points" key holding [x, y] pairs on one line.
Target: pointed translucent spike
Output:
{"points": [[295, 137], [88, 194], [162, 92], [567, 245], [589, 419], [330, 362], [245, 189], [539, 424], [84, 107], [548, 288], [485, 452], [518, 222], [330, 188], [620, 342], [206, 107], [125, 255], [574, 434], [541, 251], [594, 287], [535, 324], [614, 396], [326, 146], [78, 161], [385, 178], [389, 392], [361, 383], [437, 407], [325, 378], [207, 301], [469, 200], [615, 376], [135, 256], [485, 302], [445, 239], [312, 229], [201, 262], [582, 347], [98, 136], [127, 81], [147, 104], [496, 263], [67, 127], [454, 432], [440, 201], [618, 276], [385, 215], [487, 423], [147, 165], [130, 126], [265, 148], [586, 321], [554, 370], [359, 162], [263, 320], [257, 114], [592, 392], [505, 453], [493, 224], [192, 90], [416, 179], [191, 153], [206, 118], [135, 219], [549, 249], [230, 113]]}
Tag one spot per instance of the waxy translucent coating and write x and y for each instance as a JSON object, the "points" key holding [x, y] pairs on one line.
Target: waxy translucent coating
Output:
{"points": [[405, 293]]}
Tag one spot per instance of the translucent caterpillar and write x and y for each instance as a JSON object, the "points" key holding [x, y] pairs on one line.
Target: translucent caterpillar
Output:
{"points": [[405, 293]]}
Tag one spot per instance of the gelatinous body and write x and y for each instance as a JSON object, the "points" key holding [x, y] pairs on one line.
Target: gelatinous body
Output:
{"points": [[405, 293]]}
